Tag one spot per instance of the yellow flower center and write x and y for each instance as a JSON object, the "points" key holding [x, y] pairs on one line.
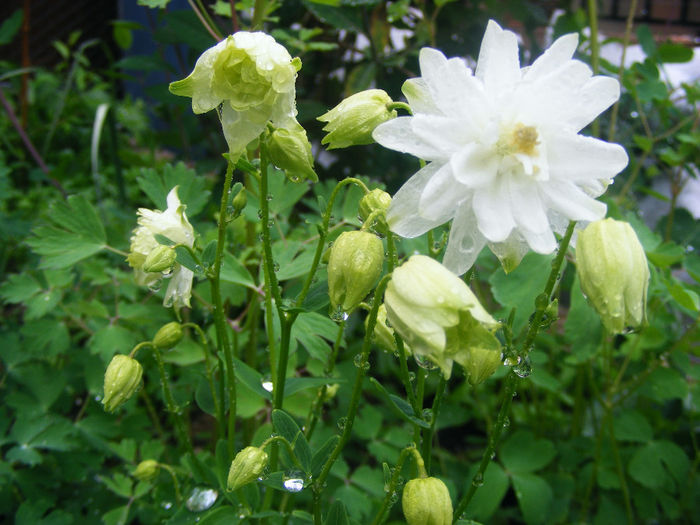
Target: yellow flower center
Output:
{"points": [[518, 139]]}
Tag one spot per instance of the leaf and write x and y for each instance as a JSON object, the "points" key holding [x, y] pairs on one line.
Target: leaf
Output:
{"points": [[157, 183], [10, 27], [233, 271], [76, 233], [288, 429], [632, 426], [154, 4], [646, 40], [401, 407], [675, 53], [666, 254], [339, 17], [519, 288], [523, 452], [664, 384], [486, 501], [311, 330], [651, 464], [251, 378], [582, 328], [296, 384], [322, 454], [19, 287], [534, 497], [337, 515]]}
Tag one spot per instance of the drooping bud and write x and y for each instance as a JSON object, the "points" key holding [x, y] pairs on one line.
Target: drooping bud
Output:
{"points": [[352, 122], [168, 336], [239, 201], [426, 501], [353, 268], [246, 467], [614, 273], [146, 470], [160, 259], [122, 380], [440, 318], [376, 201], [290, 151], [383, 335]]}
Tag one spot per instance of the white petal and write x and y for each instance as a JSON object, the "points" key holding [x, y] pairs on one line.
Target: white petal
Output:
{"points": [[510, 252], [597, 95], [474, 165], [499, 64], [440, 196], [179, 289], [526, 205], [557, 54], [241, 127], [543, 242], [398, 134], [492, 210], [465, 242], [432, 62], [418, 96], [402, 216], [444, 134], [578, 158], [566, 198]]}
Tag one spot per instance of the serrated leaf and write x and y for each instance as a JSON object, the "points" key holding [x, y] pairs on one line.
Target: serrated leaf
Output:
{"points": [[19, 287], [311, 330], [157, 183], [76, 233], [400, 406]]}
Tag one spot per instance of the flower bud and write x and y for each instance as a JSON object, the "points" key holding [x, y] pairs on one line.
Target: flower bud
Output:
{"points": [[168, 336], [290, 151], [383, 335], [239, 201], [440, 318], [614, 274], [352, 122], [146, 470], [354, 266], [375, 200], [122, 380], [331, 391], [426, 501], [246, 467], [160, 259]]}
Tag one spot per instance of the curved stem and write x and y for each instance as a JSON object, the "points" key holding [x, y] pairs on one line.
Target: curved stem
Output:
{"points": [[512, 379], [390, 492], [223, 342], [363, 365], [176, 484]]}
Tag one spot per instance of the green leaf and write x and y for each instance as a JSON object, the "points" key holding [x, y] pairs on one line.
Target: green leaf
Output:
{"points": [[664, 384], [666, 254], [631, 425], [288, 429], [119, 484], [339, 17], [19, 287], [76, 233], [646, 40], [225, 515], [519, 288], [296, 384], [534, 497], [523, 452], [337, 515], [153, 4], [582, 328], [112, 339], [675, 53], [251, 378], [322, 454], [486, 501], [10, 26], [233, 271], [651, 464], [311, 330], [157, 183], [401, 407]]}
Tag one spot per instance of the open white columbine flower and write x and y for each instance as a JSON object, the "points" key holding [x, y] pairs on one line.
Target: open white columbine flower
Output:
{"points": [[505, 159], [173, 224], [250, 77]]}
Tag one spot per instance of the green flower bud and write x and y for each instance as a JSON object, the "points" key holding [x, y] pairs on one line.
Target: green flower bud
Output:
{"points": [[246, 467], [352, 122], [426, 501], [239, 202], [290, 151], [353, 268], [440, 318], [146, 470], [122, 380], [614, 274], [160, 259], [375, 200], [331, 391], [168, 336], [383, 335]]}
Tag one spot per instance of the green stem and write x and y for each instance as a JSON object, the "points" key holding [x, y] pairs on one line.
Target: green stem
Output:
{"points": [[391, 490], [323, 233], [218, 408], [625, 43], [595, 51], [620, 469], [222, 339], [258, 14], [399, 105], [512, 379], [428, 436], [354, 400], [176, 483]]}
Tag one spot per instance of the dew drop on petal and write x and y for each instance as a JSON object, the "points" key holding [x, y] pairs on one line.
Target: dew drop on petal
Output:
{"points": [[201, 499]]}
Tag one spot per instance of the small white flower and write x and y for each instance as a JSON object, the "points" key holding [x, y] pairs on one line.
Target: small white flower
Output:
{"points": [[251, 78], [173, 224], [505, 159]]}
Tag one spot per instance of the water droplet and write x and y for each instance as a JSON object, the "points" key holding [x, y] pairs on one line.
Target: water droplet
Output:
{"points": [[268, 385], [293, 481], [358, 361], [269, 197], [341, 423], [166, 505], [198, 268], [230, 210], [271, 223], [523, 368], [411, 376], [478, 480], [511, 359], [201, 499], [338, 314], [427, 414], [260, 214], [506, 422], [154, 287], [276, 267], [424, 362], [394, 497]]}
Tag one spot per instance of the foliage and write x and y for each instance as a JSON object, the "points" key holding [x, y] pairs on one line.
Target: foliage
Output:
{"points": [[593, 427]]}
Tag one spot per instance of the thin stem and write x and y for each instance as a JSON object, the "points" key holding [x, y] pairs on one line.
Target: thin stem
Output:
{"points": [[428, 436], [390, 492], [170, 470], [620, 470], [595, 48], [625, 44], [512, 379], [399, 105], [223, 342], [216, 36], [354, 400], [258, 14]]}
